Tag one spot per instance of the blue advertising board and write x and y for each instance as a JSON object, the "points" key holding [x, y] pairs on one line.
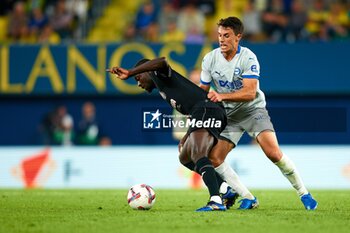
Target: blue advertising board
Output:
{"points": [[80, 69]]}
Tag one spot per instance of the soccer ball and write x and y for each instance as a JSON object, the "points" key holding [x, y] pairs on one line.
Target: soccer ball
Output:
{"points": [[141, 197]]}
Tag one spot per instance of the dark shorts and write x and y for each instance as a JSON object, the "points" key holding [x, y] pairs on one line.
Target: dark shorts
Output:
{"points": [[210, 116]]}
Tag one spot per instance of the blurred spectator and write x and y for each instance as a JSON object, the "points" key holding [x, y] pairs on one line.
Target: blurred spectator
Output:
{"points": [[317, 17], [79, 10], [49, 7], [33, 4], [297, 22], [89, 130], [152, 33], [172, 34], [191, 20], [337, 22], [18, 21], [37, 21], [57, 127], [46, 128], [252, 22], [146, 22], [178, 4], [260, 5], [48, 35], [208, 7], [105, 141], [167, 15], [62, 20], [26, 36], [287, 6], [275, 21], [194, 36], [130, 33], [63, 129], [226, 8]]}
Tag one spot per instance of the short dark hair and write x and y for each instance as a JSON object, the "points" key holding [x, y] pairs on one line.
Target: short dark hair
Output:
{"points": [[140, 62], [232, 22]]}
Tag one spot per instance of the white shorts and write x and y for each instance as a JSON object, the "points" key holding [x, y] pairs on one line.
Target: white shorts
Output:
{"points": [[253, 123]]}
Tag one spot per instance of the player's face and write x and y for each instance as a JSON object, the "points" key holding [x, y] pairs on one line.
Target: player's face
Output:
{"points": [[145, 82], [228, 40]]}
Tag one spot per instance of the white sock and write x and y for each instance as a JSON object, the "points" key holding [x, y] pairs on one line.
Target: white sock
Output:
{"points": [[223, 188], [216, 199], [289, 170], [231, 177]]}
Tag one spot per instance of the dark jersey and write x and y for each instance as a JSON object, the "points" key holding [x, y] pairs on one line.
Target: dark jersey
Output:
{"points": [[178, 91]]}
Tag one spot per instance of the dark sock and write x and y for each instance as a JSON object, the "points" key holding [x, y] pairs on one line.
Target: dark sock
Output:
{"points": [[206, 169], [219, 179], [190, 165]]}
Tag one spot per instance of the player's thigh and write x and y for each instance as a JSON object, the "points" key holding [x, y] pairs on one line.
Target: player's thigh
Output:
{"points": [[256, 122], [185, 153], [200, 142], [232, 132], [220, 151], [269, 144]]}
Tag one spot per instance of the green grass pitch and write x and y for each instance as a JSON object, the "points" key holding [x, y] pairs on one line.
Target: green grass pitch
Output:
{"points": [[107, 211]]}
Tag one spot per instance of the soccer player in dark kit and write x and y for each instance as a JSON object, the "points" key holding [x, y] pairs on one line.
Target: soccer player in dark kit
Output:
{"points": [[207, 120]]}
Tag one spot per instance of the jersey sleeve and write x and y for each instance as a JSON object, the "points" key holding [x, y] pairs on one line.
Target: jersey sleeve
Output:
{"points": [[251, 67], [205, 74]]}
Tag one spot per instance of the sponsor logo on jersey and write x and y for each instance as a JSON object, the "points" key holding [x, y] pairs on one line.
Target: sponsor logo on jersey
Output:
{"points": [[254, 68], [234, 85]]}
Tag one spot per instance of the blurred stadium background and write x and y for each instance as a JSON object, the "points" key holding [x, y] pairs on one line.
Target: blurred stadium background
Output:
{"points": [[66, 123]]}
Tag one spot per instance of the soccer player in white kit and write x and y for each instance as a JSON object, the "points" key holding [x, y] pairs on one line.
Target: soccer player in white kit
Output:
{"points": [[234, 71]]}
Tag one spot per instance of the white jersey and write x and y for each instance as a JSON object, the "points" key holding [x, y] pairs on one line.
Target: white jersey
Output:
{"points": [[227, 76]]}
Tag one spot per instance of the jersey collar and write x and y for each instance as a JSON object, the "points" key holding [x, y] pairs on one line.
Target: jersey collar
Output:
{"points": [[238, 49]]}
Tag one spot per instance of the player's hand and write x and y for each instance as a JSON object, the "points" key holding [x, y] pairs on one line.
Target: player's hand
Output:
{"points": [[214, 96], [119, 72]]}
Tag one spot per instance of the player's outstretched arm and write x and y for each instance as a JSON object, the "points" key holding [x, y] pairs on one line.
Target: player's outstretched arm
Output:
{"points": [[119, 72], [151, 65]]}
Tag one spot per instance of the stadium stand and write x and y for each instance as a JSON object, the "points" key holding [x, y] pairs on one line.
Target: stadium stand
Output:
{"points": [[117, 21], [113, 22]]}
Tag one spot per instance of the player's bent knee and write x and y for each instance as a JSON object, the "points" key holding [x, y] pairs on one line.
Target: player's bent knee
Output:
{"points": [[184, 157], [274, 155], [219, 152], [216, 161], [197, 157], [182, 161], [199, 143]]}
